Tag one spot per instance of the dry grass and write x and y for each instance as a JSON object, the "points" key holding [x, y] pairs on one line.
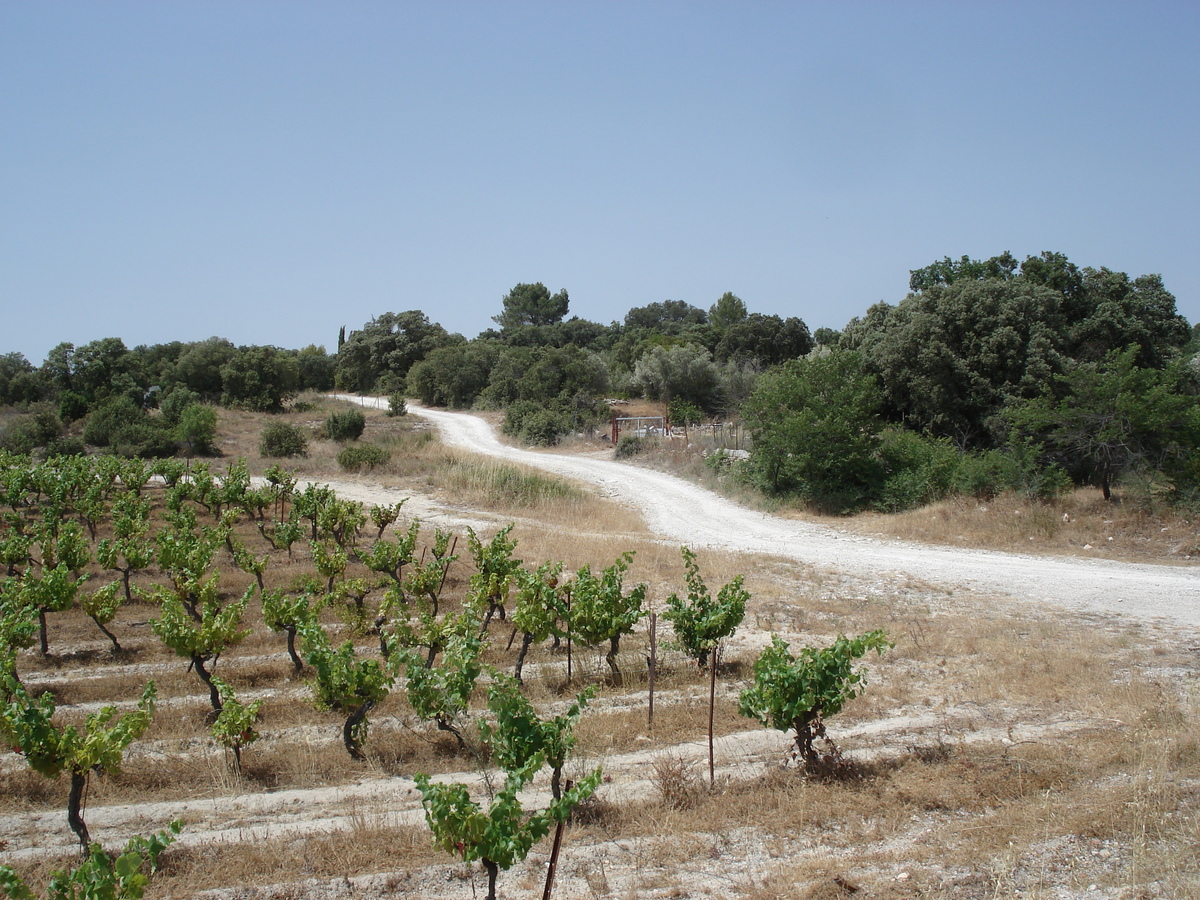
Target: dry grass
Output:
{"points": [[1081, 523], [1020, 755]]}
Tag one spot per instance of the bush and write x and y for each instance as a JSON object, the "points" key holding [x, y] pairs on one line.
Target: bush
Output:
{"points": [[397, 406], [630, 445], [281, 439], [533, 423], [359, 457], [920, 469], [345, 426], [197, 428], [39, 428]]}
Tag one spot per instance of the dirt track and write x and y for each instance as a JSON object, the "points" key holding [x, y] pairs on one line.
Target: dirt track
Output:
{"points": [[685, 513]]}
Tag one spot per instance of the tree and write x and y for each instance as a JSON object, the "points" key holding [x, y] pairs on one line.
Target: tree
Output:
{"points": [[1104, 418], [815, 424], [667, 317], [728, 310], [454, 375], [197, 429], [379, 355], [684, 371], [800, 692], [531, 305], [768, 339], [259, 378], [199, 367]]}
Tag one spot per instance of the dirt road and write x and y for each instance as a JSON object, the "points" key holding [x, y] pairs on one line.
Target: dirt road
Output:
{"points": [[685, 513]]}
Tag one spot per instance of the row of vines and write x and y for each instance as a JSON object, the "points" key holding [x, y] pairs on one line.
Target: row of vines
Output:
{"points": [[375, 610]]}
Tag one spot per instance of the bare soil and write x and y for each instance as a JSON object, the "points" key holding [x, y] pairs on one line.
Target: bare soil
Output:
{"points": [[1032, 734]]}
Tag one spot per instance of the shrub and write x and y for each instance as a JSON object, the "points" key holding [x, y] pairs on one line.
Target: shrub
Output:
{"points": [[39, 428], [345, 426], [281, 439], [630, 445], [358, 457], [801, 692], [397, 406], [544, 428], [197, 428]]}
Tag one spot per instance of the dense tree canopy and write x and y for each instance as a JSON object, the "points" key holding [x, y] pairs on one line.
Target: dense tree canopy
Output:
{"points": [[975, 336], [532, 304], [815, 423], [379, 355]]}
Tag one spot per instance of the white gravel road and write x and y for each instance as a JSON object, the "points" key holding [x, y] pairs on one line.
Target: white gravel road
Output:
{"points": [[685, 513]]}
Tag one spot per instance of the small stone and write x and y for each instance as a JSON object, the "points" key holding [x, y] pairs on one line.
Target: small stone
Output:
{"points": [[903, 876]]}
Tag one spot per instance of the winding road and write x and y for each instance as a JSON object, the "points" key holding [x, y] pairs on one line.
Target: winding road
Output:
{"points": [[685, 513]]}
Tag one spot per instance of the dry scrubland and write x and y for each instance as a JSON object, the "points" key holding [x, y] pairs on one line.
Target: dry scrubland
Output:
{"points": [[999, 751]]}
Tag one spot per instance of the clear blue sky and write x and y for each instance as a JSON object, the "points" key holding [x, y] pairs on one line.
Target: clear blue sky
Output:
{"points": [[271, 171]]}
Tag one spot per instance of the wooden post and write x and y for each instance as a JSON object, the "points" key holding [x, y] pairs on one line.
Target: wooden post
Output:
{"points": [[553, 867], [568, 636], [712, 705], [653, 663]]}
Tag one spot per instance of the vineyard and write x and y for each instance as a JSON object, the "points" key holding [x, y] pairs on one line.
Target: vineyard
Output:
{"points": [[253, 683]]}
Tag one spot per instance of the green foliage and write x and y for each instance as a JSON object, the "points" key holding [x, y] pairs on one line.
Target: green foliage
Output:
{"points": [[197, 429], [496, 568], [600, 610], [454, 375], [26, 726], [40, 427], [195, 625], [397, 405], [559, 389], [630, 445], [800, 692], [280, 439], [1106, 418], [262, 379], [702, 621], [520, 738], [344, 683], [346, 425], [174, 401], [684, 414], [234, 726], [441, 692], [100, 876], [379, 355], [978, 336], [123, 426], [539, 607], [532, 305], [363, 457], [684, 371], [815, 424], [504, 833], [535, 425]]}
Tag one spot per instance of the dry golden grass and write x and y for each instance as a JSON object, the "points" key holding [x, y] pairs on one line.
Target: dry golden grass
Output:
{"points": [[1019, 748]]}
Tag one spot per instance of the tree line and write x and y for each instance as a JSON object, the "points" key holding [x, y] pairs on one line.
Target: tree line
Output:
{"points": [[990, 374]]}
